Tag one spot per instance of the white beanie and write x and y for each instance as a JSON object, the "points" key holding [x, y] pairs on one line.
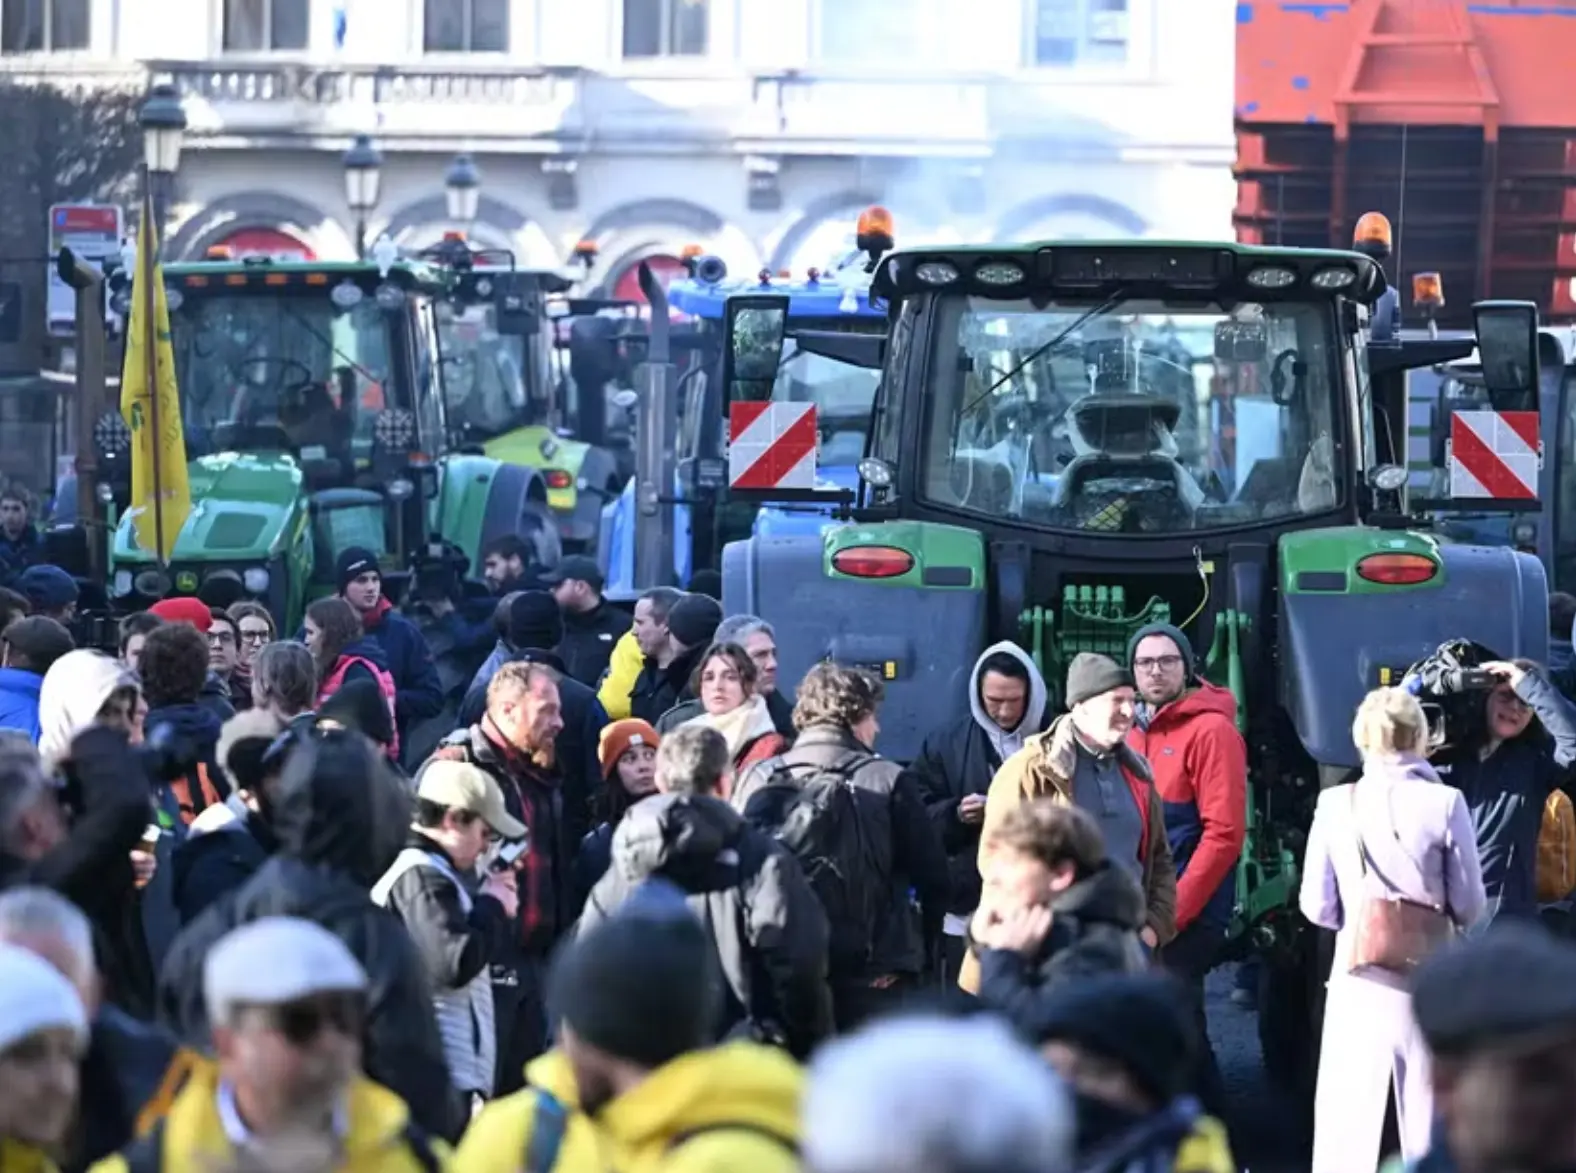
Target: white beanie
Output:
{"points": [[34, 997]]}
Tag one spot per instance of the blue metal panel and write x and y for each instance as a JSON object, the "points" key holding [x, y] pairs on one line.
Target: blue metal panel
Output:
{"points": [[806, 299]]}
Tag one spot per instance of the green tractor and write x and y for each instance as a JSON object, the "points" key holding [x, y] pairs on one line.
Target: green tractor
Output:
{"points": [[314, 409], [1071, 440]]}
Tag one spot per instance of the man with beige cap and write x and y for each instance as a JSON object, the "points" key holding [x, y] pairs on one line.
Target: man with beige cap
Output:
{"points": [[459, 924]]}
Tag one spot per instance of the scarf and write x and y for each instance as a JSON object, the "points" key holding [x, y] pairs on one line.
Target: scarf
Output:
{"points": [[739, 726]]}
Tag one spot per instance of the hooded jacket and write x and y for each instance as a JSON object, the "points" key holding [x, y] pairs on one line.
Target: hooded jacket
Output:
{"points": [[765, 919], [198, 727], [1044, 768], [1200, 767], [498, 1139], [961, 759], [339, 827], [380, 1134], [1094, 930], [575, 747], [74, 690], [731, 1107], [419, 690], [19, 691]]}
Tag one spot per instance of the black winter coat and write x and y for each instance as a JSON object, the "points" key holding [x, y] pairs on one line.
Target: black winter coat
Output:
{"points": [[208, 864], [1094, 930], [92, 868], [659, 689], [959, 761], [337, 835], [893, 813], [122, 1071], [768, 926], [588, 641]]}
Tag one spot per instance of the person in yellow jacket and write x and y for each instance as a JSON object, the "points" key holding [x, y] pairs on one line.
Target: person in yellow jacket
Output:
{"points": [[638, 996], [43, 1034], [286, 1000], [1126, 1044], [1087, 745], [647, 637]]}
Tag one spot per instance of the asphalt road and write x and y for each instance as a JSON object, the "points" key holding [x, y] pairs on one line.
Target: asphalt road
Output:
{"points": [[1270, 1129]]}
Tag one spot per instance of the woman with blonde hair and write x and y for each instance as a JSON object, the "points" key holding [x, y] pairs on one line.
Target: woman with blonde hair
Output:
{"points": [[1392, 868]]}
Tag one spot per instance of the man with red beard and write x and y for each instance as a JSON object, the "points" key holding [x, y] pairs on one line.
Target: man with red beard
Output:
{"points": [[513, 742]]}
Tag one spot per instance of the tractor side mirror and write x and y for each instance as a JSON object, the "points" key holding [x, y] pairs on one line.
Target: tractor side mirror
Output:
{"points": [[756, 331], [1507, 338]]}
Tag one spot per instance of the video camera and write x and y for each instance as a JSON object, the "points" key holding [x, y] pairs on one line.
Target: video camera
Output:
{"points": [[163, 756], [1450, 683]]}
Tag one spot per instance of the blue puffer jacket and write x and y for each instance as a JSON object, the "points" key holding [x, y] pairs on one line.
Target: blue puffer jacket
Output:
{"points": [[418, 688], [19, 700]]}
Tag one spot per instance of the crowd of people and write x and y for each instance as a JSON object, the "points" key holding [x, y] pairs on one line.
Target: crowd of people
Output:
{"points": [[649, 907]]}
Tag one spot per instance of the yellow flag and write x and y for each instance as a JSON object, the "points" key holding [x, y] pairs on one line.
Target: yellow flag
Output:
{"points": [[161, 498]]}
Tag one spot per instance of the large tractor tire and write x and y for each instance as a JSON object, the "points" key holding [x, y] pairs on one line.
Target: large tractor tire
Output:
{"points": [[517, 504]]}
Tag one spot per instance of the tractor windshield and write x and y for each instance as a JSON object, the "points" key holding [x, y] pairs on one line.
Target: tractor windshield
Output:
{"points": [[842, 395], [1134, 417], [284, 372], [484, 374]]}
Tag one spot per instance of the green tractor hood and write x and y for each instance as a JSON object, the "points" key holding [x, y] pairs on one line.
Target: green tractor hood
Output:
{"points": [[243, 505]]}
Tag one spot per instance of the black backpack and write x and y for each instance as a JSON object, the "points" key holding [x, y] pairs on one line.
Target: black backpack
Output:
{"points": [[813, 811]]}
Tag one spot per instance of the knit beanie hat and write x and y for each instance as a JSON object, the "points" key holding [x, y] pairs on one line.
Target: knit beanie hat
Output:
{"points": [[533, 619], [619, 737], [693, 620], [1091, 674], [1137, 1020], [352, 564], [643, 985], [1174, 634]]}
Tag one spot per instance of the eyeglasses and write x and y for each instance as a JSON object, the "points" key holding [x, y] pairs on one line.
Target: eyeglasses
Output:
{"points": [[303, 1021], [220, 638], [1150, 663], [254, 635]]}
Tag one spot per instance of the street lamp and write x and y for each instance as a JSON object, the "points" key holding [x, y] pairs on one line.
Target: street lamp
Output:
{"points": [[363, 176], [163, 122], [462, 190]]}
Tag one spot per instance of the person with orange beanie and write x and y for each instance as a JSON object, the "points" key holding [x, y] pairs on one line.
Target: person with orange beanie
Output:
{"points": [[627, 751]]}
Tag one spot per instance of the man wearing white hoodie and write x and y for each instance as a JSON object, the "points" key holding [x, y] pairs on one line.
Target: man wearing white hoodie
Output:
{"points": [[1007, 700]]}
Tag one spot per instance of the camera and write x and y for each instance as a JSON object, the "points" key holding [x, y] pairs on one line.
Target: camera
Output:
{"points": [[1450, 683]]}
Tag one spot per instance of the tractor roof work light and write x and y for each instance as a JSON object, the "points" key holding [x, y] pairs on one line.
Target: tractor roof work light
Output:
{"points": [[1373, 236]]}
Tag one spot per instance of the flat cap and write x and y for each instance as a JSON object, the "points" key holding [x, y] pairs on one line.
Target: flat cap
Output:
{"points": [[276, 961], [1517, 980]]}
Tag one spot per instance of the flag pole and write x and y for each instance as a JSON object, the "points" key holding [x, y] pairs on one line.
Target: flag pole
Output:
{"points": [[150, 337]]}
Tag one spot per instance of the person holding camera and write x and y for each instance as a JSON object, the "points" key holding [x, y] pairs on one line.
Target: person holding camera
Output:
{"points": [[460, 928], [1510, 746]]}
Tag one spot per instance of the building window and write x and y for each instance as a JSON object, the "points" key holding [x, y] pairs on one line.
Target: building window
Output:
{"points": [[900, 33], [665, 28], [466, 26], [43, 26], [1079, 32], [266, 26]]}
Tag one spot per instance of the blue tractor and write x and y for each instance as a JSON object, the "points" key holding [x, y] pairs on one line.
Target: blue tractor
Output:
{"points": [[705, 516]]}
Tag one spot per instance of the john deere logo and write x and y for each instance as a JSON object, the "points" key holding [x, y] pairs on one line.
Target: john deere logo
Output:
{"points": [[186, 581]]}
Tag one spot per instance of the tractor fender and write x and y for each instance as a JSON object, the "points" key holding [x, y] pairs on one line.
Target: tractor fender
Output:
{"points": [[517, 504], [921, 640], [1336, 645]]}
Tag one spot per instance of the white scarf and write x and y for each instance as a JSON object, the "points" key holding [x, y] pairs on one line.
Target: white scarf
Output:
{"points": [[739, 726]]}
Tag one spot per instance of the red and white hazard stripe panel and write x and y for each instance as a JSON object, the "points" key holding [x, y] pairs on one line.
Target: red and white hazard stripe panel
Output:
{"points": [[1495, 455], [771, 446]]}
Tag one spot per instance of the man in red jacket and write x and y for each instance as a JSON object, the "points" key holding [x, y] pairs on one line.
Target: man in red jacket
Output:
{"points": [[1186, 729]]}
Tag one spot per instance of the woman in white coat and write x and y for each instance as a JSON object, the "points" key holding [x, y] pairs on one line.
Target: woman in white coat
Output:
{"points": [[1420, 847]]}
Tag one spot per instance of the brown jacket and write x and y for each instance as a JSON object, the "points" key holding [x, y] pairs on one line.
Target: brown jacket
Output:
{"points": [[1044, 768]]}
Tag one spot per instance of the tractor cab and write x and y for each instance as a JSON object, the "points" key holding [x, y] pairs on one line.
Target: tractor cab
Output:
{"points": [[503, 331], [1073, 439], [830, 389], [314, 419]]}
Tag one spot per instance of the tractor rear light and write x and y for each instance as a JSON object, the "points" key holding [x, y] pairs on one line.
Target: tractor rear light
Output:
{"points": [[557, 478], [872, 562], [1397, 569]]}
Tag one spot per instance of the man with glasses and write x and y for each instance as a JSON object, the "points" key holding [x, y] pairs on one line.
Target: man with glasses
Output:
{"points": [[288, 1003], [460, 928], [1185, 727]]}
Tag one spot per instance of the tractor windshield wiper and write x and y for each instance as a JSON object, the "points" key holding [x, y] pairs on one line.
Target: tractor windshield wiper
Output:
{"points": [[329, 342], [1038, 352]]}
